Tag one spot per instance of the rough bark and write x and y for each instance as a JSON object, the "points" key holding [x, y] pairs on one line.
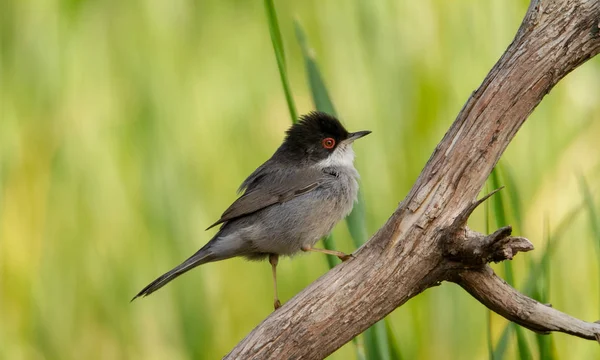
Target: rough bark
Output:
{"points": [[426, 241], [497, 295]]}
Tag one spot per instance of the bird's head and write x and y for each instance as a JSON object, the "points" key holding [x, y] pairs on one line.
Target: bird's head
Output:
{"points": [[319, 138]]}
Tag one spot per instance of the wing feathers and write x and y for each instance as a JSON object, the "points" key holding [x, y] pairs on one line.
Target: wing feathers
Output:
{"points": [[272, 191]]}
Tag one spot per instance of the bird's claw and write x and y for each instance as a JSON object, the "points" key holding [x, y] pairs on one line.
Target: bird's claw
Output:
{"points": [[346, 257]]}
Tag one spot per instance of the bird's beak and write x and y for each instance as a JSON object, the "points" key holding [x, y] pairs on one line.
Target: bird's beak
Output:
{"points": [[357, 135]]}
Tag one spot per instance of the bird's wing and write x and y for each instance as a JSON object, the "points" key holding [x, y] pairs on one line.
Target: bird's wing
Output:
{"points": [[273, 189]]}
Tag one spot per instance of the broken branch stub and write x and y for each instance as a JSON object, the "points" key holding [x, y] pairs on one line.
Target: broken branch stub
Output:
{"points": [[472, 248]]}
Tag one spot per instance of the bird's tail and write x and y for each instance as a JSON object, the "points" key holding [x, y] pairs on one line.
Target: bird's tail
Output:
{"points": [[203, 256]]}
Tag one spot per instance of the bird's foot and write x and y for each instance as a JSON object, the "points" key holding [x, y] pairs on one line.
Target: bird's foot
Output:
{"points": [[346, 257], [277, 304]]}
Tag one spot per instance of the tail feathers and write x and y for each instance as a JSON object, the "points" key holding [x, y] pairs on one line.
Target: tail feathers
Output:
{"points": [[199, 258]]}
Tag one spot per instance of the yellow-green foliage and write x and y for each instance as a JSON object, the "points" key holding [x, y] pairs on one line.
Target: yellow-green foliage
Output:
{"points": [[126, 127]]}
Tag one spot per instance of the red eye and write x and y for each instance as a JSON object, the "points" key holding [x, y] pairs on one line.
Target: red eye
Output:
{"points": [[328, 143]]}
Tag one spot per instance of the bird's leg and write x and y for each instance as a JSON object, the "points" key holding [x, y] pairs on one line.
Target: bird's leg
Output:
{"points": [[341, 255], [274, 259]]}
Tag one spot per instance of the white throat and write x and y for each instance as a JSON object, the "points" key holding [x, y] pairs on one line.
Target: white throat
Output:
{"points": [[342, 156]]}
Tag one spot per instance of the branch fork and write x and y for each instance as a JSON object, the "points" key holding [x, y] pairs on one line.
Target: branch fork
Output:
{"points": [[471, 248], [475, 249]]}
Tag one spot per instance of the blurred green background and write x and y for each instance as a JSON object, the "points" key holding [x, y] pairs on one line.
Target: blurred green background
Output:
{"points": [[127, 126]]}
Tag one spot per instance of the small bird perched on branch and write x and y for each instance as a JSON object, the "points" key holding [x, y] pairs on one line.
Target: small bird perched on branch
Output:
{"points": [[288, 203]]}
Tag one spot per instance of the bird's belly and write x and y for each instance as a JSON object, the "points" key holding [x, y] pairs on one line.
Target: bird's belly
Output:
{"points": [[285, 228]]}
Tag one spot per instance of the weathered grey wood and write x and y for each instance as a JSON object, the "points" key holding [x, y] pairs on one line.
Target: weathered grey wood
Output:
{"points": [[410, 252], [500, 297]]}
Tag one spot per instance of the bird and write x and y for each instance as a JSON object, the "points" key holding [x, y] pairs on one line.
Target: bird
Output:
{"points": [[288, 203]]}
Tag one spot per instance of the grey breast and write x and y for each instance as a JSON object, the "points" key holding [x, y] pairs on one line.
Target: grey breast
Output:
{"points": [[285, 228]]}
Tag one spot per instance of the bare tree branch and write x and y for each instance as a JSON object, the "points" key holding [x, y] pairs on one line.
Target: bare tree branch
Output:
{"points": [[413, 250], [500, 297]]}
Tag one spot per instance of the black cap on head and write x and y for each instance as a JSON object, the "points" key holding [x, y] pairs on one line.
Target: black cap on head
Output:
{"points": [[316, 126], [313, 138]]}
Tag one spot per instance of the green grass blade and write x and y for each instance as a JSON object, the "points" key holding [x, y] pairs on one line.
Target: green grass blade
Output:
{"points": [[545, 346], [500, 215], [329, 243], [486, 211], [322, 101], [280, 57], [503, 342], [395, 353], [524, 352], [545, 293], [377, 344], [356, 222], [537, 268], [319, 92], [591, 210], [513, 195], [542, 293], [489, 335]]}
